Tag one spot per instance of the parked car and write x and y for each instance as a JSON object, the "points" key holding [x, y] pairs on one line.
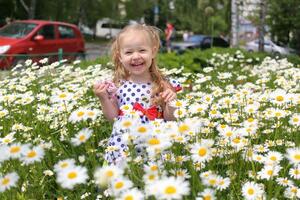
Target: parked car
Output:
{"points": [[199, 41], [37, 39], [269, 47]]}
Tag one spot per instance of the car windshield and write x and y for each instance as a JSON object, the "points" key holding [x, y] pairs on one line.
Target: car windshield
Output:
{"points": [[17, 30], [195, 38]]}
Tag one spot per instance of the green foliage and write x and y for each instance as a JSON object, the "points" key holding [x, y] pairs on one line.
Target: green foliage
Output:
{"points": [[284, 21]]}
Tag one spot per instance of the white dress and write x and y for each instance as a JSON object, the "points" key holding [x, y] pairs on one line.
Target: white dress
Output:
{"points": [[129, 93]]}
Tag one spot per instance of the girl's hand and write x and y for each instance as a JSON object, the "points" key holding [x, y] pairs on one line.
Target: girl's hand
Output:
{"points": [[168, 95], [100, 90]]}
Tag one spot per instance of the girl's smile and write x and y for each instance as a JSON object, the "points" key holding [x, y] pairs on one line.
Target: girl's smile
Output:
{"points": [[136, 55]]}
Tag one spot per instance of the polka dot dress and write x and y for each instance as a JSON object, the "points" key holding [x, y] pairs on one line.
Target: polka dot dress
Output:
{"points": [[129, 93]]}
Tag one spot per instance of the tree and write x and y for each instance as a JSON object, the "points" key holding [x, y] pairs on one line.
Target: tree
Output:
{"points": [[284, 21]]}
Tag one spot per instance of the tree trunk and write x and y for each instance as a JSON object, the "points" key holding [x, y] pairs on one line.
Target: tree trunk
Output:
{"points": [[30, 10]]}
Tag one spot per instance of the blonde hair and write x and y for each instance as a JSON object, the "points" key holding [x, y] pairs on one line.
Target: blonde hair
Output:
{"points": [[122, 74]]}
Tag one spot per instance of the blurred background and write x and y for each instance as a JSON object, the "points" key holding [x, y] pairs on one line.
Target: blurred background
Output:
{"points": [[236, 21]]}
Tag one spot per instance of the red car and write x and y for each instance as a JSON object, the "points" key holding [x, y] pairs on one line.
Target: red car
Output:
{"points": [[36, 39]]}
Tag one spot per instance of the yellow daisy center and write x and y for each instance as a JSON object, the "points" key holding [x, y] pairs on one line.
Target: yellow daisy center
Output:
{"points": [[202, 152], [151, 177], [62, 96], [228, 134], [170, 190], [295, 120], [82, 138], [129, 197], [212, 181], [72, 175], [270, 172], [297, 156], [64, 165], [178, 104], [91, 113], [279, 98], [31, 154], [182, 128], [236, 140], [207, 198], [250, 119], [154, 168], [273, 158], [142, 129], [109, 173], [15, 149], [127, 124], [153, 141], [80, 113], [119, 185], [250, 191], [5, 181]]}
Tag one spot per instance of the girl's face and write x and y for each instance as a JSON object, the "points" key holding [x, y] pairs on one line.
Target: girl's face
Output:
{"points": [[136, 54]]}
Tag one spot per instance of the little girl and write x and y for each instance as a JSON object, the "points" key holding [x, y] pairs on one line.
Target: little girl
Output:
{"points": [[137, 81]]}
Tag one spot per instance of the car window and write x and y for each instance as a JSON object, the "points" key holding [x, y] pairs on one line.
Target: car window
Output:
{"points": [[47, 31], [66, 32], [195, 38], [17, 30], [206, 41], [219, 42]]}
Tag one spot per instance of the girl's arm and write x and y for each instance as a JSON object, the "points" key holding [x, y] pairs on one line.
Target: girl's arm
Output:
{"points": [[109, 106], [168, 95]]}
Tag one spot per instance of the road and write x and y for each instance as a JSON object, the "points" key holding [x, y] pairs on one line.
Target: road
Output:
{"points": [[93, 50]]}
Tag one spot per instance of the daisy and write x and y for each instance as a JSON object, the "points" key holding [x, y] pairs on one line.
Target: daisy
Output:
{"points": [[202, 152], [207, 194], [293, 155], [61, 96], [291, 192], [273, 158], [295, 172], [180, 113], [284, 181], [157, 143], [4, 153], [178, 103], [181, 173], [132, 194], [32, 155], [64, 164], [279, 97], [150, 177], [16, 149], [172, 188], [120, 185], [8, 181], [7, 139], [78, 115], [295, 120], [106, 174], [252, 191], [72, 176], [81, 137], [222, 183], [92, 114], [3, 113], [126, 109], [269, 171], [141, 130]]}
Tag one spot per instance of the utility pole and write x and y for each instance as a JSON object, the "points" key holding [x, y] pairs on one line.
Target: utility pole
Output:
{"points": [[262, 16], [234, 23]]}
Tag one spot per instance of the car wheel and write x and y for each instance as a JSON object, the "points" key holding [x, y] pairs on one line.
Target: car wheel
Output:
{"points": [[108, 36], [277, 54], [80, 56], [20, 62]]}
